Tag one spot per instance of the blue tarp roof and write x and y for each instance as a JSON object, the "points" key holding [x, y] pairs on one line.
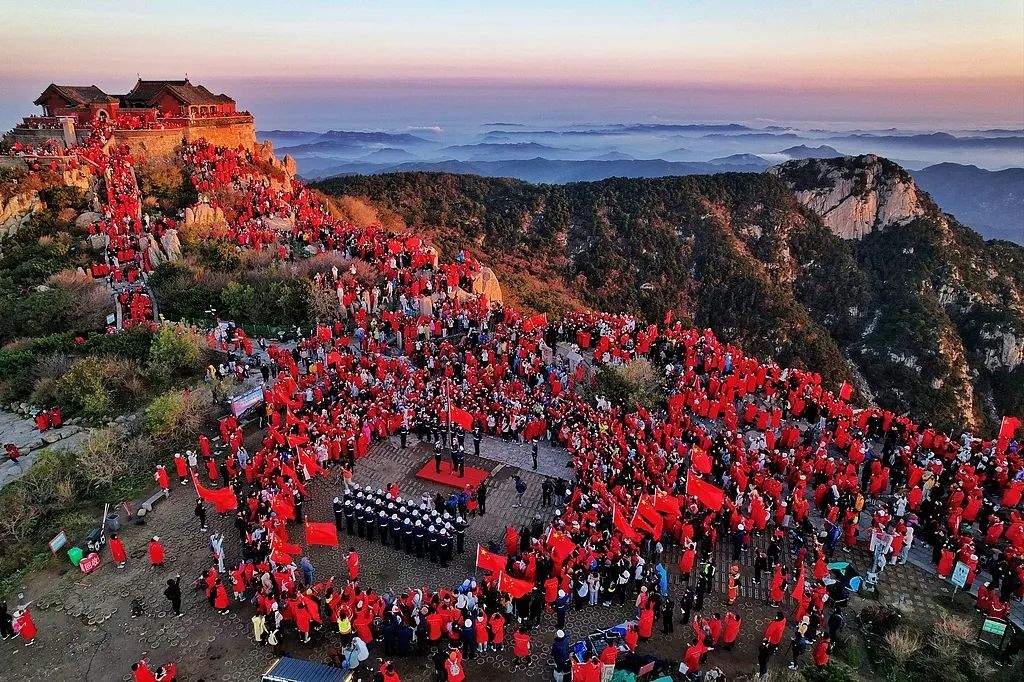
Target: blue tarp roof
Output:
{"points": [[296, 670]]}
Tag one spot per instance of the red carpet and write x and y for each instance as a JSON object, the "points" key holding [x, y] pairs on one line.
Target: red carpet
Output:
{"points": [[473, 476]]}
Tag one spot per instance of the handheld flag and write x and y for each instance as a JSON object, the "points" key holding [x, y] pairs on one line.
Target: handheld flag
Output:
{"points": [[711, 496], [321, 533], [489, 561]]}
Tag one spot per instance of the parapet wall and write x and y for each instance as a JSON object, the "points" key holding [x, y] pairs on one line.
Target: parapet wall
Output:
{"points": [[229, 132]]}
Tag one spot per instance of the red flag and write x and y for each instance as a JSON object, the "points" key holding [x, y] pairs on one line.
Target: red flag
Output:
{"points": [[711, 496], [1008, 427], [321, 533], [514, 587], [490, 561], [460, 417], [845, 391], [222, 499], [561, 546], [622, 526], [646, 518], [535, 429], [667, 504], [701, 461], [535, 322]]}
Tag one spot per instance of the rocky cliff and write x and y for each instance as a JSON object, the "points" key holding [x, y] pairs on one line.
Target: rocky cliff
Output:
{"points": [[854, 195]]}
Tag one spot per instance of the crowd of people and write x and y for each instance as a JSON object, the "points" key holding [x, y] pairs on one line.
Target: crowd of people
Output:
{"points": [[761, 459]]}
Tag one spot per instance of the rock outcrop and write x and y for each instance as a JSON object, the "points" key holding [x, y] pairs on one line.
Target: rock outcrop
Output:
{"points": [[16, 211], [203, 214], [854, 195], [486, 283]]}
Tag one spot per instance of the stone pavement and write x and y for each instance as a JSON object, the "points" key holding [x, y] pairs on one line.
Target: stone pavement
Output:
{"points": [[23, 433], [551, 461]]}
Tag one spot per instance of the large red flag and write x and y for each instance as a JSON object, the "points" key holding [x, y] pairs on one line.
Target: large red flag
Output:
{"points": [[321, 533], [535, 429], [514, 587], [490, 561], [711, 496], [1007, 428], [701, 461], [459, 416], [667, 504], [222, 499]]}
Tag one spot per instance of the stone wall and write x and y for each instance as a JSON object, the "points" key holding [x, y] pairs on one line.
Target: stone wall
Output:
{"points": [[232, 132]]}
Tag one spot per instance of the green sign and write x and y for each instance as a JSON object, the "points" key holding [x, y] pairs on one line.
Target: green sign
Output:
{"points": [[993, 627]]}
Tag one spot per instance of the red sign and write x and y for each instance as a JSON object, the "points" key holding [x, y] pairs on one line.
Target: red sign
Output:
{"points": [[89, 563]]}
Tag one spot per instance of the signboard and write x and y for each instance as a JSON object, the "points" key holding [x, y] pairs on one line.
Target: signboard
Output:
{"points": [[246, 401], [90, 563], [58, 541], [993, 632], [959, 576]]}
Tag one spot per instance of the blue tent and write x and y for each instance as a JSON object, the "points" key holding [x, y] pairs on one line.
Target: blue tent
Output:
{"points": [[296, 670]]}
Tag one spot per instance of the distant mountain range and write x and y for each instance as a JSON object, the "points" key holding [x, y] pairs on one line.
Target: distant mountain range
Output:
{"points": [[989, 200], [548, 170], [992, 202]]}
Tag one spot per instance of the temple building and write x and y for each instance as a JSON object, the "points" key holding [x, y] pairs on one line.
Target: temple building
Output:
{"points": [[153, 117]]}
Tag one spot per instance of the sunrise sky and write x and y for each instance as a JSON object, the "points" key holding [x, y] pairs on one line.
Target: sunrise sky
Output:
{"points": [[906, 63]]}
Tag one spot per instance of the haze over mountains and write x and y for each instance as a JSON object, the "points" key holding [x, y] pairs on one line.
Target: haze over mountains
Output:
{"points": [[975, 174]]}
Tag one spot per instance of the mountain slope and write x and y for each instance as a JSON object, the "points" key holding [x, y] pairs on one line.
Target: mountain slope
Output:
{"points": [[923, 310]]}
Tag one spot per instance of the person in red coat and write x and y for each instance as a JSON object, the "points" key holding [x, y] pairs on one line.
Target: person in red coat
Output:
{"points": [[25, 627], [156, 552], [211, 470], [773, 633], [454, 668], [731, 623], [820, 653], [181, 467], [631, 638], [141, 672], [645, 624], [162, 479], [521, 645], [497, 625], [220, 598], [388, 673], [352, 561], [691, 659], [589, 671], [776, 593], [117, 551]]}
